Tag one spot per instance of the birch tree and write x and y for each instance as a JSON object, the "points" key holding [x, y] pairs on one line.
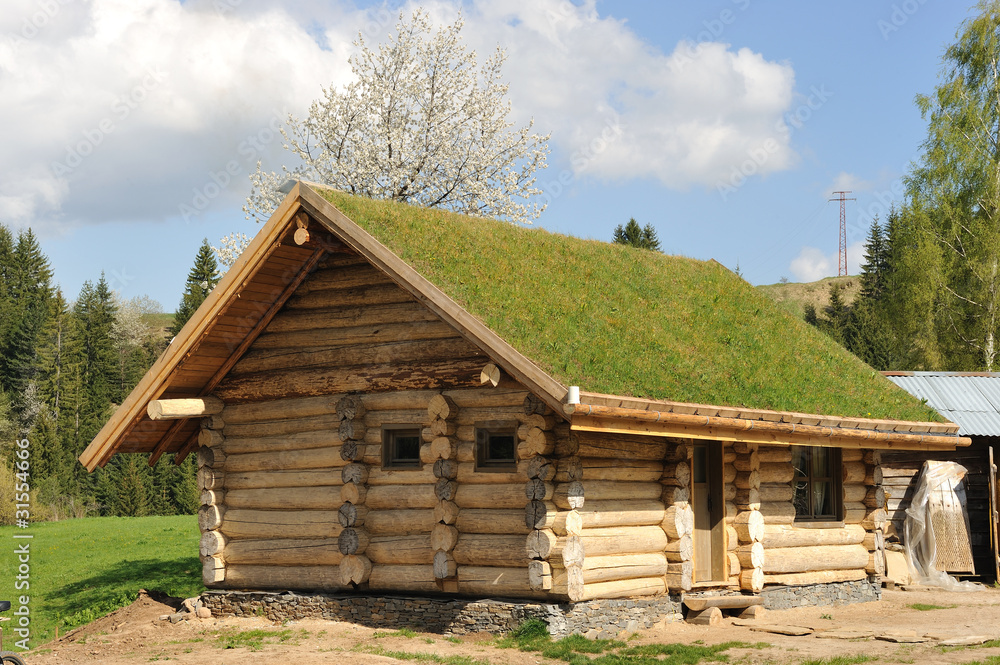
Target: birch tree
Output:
{"points": [[421, 123], [957, 183]]}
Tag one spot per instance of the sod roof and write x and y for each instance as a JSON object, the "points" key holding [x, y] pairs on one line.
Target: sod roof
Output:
{"points": [[624, 321]]}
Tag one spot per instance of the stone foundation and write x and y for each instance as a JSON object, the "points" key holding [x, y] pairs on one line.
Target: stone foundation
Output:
{"points": [[596, 618], [834, 593]]}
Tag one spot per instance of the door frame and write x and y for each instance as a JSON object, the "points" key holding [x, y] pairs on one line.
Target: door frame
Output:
{"points": [[717, 513]]}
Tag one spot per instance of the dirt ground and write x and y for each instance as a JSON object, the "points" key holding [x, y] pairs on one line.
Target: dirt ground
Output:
{"points": [[137, 634]]}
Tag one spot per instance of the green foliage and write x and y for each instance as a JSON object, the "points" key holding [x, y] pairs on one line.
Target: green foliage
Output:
{"points": [[420, 657], [631, 323], [202, 278], [82, 569], [632, 234], [402, 632]]}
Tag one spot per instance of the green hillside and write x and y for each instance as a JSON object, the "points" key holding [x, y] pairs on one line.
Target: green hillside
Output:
{"points": [[82, 569], [794, 296], [615, 319]]}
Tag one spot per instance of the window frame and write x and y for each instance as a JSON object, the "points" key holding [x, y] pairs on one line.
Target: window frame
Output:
{"points": [[835, 477], [390, 451], [484, 431]]}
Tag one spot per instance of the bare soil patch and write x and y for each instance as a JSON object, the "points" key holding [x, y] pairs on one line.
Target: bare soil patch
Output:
{"points": [[137, 634]]}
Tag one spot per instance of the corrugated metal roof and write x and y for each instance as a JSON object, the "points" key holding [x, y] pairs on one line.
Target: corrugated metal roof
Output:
{"points": [[972, 400]]}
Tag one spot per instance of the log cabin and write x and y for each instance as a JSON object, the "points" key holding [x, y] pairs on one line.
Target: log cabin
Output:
{"points": [[386, 399]]}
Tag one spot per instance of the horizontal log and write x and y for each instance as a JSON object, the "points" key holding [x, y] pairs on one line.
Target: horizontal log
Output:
{"points": [[771, 454], [604, 490], [568, 523], [446, 512], [490, 550], [749, 526], [643, 586], [752, 579], [355, 338], [491, 496], [210, 437], [876, 563], [623, 567], [293, 441], [176, 409], [283, 552], [874, 540], [210, 479], [399, 522], [816, 577], [852, 454], [285, 498], [399, 549], [422, 476], [319, 458], [441, 407], [633, 539], [747, 479], [818, 557], [279, 409], [679, 576], [566, 582], [467, 474], [326, 423], [609, 513], [681, 549], [776, 472], [540, 576], [393, 497], [750, 556], [569, 496], [413, 578], [778, 512], [443, 537], [352, 540], [319, 578], [355, 569], [445, 565], [854, 473], [210, 517], [620, 446], [747, 461], [785, 535], [874, 497], [873, 475], [356, 378], [854, 493], [496, 581], [486, 520]]}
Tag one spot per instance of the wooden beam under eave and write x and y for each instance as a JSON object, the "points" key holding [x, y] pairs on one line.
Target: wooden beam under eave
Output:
{"points": [[618, 426]]}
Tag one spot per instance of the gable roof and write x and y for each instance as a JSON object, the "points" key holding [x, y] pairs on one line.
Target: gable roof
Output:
{"points": [[551, 310], [970, 399]]}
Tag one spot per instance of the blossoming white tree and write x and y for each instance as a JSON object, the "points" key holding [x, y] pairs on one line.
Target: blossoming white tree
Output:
{"points": [[421, 124]]}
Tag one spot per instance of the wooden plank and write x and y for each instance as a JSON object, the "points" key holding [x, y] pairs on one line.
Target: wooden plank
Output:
{"points": [[699, 603]]}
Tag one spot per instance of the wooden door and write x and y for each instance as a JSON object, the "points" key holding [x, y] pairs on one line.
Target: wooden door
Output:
{"points": [[708, 504]]}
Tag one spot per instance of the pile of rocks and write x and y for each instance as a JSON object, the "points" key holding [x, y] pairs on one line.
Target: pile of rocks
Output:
{"points": [[190, 608]]}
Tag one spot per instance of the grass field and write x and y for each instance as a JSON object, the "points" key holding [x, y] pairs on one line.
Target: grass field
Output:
{"points": [[793, 296], [83, 569]]}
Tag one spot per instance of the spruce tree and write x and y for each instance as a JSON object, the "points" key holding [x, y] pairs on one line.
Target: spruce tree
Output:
{"points": [[643, 237], [201, 280]]}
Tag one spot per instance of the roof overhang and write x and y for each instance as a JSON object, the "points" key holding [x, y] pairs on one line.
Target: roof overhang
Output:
{"points": [[624, 415]]}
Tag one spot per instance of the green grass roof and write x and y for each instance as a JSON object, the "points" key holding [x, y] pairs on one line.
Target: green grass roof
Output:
{"points": [[624, 321]]}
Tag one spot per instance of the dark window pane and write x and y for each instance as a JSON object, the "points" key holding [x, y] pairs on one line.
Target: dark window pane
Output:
{"points": [[822, 499], [501, 448], [700, 470], [407, 447], [801, 498]]}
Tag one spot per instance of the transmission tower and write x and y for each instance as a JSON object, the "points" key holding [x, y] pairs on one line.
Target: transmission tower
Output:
{"points": [[842, 259]]}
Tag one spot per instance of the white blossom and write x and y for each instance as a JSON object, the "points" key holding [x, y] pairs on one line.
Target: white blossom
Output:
{"points": [[230, 247], [423, 124]]}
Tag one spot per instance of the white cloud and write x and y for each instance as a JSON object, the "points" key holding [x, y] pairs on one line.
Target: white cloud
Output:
{"points": [[812, 264], [131, 109], [848, 182], [689, 117]]}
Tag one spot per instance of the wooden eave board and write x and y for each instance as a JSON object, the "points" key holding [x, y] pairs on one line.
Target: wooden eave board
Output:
{"points": [[516, 364], [768, 416], [180, 368], [709, 432]]}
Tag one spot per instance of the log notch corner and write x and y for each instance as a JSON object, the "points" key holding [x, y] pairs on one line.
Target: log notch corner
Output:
{"points": [[678, 520], [443, 411], [211, 480], [355, 567]]}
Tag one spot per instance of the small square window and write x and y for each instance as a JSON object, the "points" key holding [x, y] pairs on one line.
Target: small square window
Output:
{"points": [[496, 446], [401, 448]]}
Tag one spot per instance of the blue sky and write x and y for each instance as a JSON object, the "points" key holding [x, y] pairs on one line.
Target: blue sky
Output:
{"points": [[726, 124]]}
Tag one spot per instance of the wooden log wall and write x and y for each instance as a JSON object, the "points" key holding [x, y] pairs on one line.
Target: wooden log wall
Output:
{"points": [[624, 546], [790, 554], [874, 500], [678, 519], [901, 470], [749, 516]]}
